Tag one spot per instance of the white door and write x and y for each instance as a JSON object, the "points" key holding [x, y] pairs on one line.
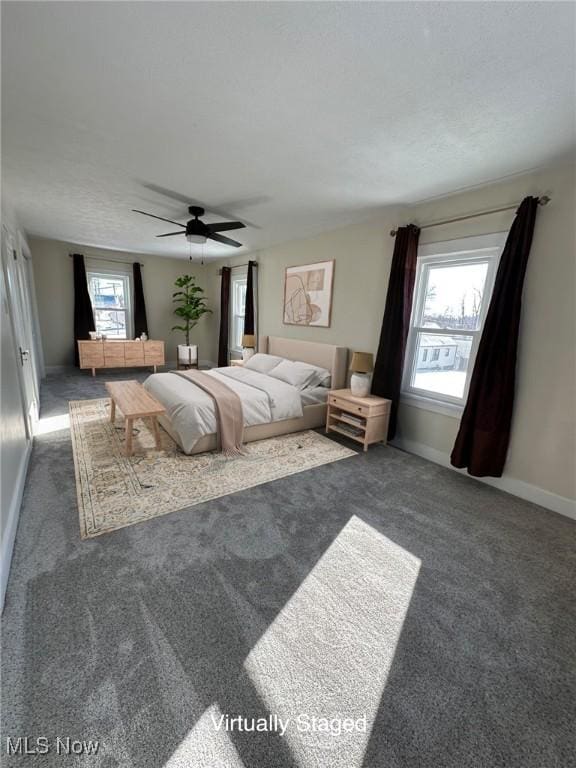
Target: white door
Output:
{"points": [[15, 273]]}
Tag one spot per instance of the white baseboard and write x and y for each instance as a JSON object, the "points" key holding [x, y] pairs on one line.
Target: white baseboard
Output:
{"points": [[13, 515], [533, 493], [48, 369]]}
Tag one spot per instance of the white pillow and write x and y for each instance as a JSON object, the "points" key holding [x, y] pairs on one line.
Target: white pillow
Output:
{"points": [[262, 363], [321, 378], [299, 375]]}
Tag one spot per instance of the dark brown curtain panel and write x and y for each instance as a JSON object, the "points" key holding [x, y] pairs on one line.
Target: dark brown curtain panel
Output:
{"points": [[83, 314], [389, 364], [249, 310], [224, 317], [484, 433], [140, 321]]}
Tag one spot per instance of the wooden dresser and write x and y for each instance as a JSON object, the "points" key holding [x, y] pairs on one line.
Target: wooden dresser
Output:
{"points": [[120, 354]]}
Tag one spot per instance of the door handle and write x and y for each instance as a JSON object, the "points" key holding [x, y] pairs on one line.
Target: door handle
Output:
{"points": [[24, 354]]}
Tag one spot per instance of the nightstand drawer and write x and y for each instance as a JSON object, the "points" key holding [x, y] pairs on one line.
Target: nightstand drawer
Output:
{"points": [[347, 405]]}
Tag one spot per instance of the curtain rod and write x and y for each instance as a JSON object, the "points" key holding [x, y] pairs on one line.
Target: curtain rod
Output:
{"points": [[115, 261], [544, 200], [238, 266]]}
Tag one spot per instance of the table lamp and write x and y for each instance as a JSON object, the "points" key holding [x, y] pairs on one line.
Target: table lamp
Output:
{"points": [[248, 344], [361, 365]]}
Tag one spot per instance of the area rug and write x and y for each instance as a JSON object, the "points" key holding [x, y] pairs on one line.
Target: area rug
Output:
{"points": [[115, 490]]}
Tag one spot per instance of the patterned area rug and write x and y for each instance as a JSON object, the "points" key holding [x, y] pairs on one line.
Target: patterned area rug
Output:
{"points": [[115, 491]]}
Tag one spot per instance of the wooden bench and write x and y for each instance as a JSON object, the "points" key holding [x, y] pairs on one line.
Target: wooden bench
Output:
{"points": [[135, 403]]}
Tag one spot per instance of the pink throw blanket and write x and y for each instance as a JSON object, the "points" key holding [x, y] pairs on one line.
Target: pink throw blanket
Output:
{"points": [[229, 415]]}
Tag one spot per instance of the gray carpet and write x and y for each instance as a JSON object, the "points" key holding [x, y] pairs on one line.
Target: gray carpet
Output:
{"points": [[439, 607]]}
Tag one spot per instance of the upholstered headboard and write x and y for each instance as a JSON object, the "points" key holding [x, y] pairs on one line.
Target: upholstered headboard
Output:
{"points": [[335, 359]]}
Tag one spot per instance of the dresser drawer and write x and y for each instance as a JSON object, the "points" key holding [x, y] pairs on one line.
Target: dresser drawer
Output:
{"points": [[113, 348], [85, 346], [91, 359], [114, 362], [91, 354], [154, 352], [134, 353]]}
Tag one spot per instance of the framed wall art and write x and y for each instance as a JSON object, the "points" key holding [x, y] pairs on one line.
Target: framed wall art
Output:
{"points": [[308, 294]]}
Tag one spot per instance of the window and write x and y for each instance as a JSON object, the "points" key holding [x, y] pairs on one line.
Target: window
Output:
{"points": [[452, 292], [238, 298], [110, 295]]}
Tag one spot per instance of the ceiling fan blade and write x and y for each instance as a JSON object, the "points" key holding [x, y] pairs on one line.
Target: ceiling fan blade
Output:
{"points": [[225, 225], [169, 234], [224, 210], [152, 215], [225, 240]]}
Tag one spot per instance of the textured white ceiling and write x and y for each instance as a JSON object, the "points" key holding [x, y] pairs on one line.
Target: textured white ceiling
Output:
{"points": [[297, 117]]}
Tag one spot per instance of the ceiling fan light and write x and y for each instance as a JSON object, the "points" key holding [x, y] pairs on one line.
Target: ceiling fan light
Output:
{"points": [[196, 238]]}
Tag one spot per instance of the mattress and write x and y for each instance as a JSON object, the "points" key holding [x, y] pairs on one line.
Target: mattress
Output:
{"points": [[192, 413]]}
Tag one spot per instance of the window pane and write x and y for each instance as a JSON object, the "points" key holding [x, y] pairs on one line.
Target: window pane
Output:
{"points": [[441, 363], [238, 310], [111, 322], [453, 296], [238, 331], [239, 298], [107, 292]]}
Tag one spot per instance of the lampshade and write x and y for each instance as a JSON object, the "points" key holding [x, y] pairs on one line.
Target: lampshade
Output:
{"points": [[248, 340], [362, 362], [195, 238]]}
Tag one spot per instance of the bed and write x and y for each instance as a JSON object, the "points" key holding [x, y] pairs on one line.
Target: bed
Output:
{"points": [[292, 411]]}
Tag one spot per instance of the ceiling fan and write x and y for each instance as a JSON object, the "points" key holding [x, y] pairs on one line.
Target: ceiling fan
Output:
{"points": [[197, 231]]}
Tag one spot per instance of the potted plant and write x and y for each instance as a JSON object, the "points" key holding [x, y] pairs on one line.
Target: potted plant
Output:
{"points": [[191, 307]]}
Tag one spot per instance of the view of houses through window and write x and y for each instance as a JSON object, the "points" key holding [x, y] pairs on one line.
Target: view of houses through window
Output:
{"points": [[451, 297], [110, 295]]}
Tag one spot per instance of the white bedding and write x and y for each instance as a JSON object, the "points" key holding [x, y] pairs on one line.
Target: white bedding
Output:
{"points": [[191, 410], [314, 396]]}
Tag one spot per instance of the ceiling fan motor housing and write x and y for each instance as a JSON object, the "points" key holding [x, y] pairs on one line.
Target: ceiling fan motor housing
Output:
{"points": [[196, 227], [197, 231]]}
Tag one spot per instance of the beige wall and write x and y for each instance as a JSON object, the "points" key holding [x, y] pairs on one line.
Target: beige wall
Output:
{"points": [[362, 254], [542, 450], [55, 296]]}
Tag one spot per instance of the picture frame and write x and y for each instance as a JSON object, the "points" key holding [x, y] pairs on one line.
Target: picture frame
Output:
{"points": [[308, 293]]}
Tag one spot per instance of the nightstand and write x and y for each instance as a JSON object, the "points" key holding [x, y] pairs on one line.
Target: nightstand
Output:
{"points": [[364, 419], [237, 363]]}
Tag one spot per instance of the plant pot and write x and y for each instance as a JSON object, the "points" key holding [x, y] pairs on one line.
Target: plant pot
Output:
{"points": [[187, 356]]}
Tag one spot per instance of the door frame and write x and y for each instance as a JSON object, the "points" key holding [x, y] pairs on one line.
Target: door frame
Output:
{"points": [[19, 298]]}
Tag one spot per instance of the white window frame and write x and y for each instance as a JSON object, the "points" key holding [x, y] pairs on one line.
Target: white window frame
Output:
{"points": [[116, 275], [237, 279], [469, 250]]}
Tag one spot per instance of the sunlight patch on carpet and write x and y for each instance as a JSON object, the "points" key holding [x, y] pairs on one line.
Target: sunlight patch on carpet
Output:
{"points": [[206, 745], [327, 655]]}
